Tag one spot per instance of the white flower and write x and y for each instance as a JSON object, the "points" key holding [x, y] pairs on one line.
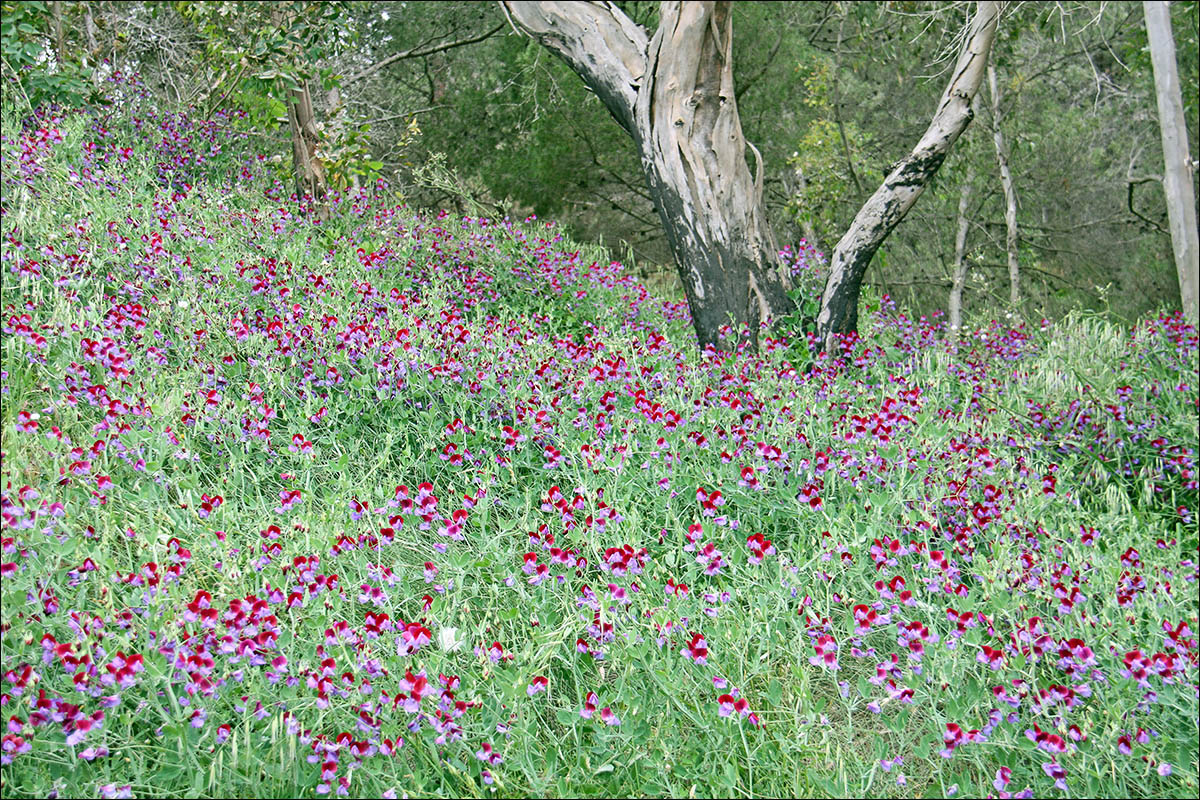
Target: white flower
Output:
{"points": [[448, 640]]}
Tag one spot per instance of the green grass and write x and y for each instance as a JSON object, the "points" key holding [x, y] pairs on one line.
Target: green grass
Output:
{"points": [[497, 331]]}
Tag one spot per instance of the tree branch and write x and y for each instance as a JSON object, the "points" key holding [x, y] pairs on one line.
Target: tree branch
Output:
{"points": [[604, 47], [418, 52], [906, 181], [1132, 182], [746, 84]]}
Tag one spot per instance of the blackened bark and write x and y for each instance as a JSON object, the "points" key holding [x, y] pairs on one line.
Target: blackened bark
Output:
{"points": [[900, 190], [689, 136]]}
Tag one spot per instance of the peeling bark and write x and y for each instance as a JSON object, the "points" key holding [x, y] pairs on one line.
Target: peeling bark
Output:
{"points": [[900, 190], [674, 95], [310, 172], [302, 125]]}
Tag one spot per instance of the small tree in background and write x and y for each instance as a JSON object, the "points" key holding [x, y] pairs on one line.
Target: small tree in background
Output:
{"points": [[1177, 177]]}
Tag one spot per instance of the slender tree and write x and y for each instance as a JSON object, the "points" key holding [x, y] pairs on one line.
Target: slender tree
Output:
{"points": [[960, 254], [1009, 187], [1177, 178]]}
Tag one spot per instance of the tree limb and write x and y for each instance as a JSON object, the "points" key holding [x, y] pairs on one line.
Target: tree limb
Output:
{"points": [[1130, 184], [418, 52], [905, 183], [604, 47]]}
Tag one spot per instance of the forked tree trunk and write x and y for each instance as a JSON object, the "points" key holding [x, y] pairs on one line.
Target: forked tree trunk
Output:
{"points": [[960, 256], [1010, 193], [674, 95], [694, 156], [1177, 178], [900, 190]]}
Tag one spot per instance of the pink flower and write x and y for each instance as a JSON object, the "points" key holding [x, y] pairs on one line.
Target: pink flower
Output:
{"points": [[589, 705], [697, 649]]}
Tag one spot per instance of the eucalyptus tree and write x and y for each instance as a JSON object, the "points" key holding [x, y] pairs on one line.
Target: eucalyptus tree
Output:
{"points": [[1177, 178], [673, 93]]}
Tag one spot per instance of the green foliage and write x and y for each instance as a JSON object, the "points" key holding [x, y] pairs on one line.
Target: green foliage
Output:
{"points": [[266, 51], [40, 76], [828, 164]]}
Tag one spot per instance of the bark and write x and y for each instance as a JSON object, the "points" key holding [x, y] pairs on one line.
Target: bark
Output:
{"points": [[60, 47], [1010, 193], [900, 190], [89, 29], [1177, 177], [302, 125], [694, 156], [674, 95], [960, 256], [310, 172]]}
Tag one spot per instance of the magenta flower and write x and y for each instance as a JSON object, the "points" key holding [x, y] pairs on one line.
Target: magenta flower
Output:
{"points": [[487, 755], [826, 656], [589, 705], [697, 649], [288, 498]]}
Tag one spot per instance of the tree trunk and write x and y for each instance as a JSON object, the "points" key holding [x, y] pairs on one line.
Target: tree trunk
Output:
{"points": [[60, 47], [1010, 193], [89, 29], [1177, 177], [302, 125], [694, 155], [310, 173], [900, 190], [960, 256], [674, 95]]}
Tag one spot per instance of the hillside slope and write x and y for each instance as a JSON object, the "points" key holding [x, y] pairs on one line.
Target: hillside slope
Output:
{"points": [[415, 504]]}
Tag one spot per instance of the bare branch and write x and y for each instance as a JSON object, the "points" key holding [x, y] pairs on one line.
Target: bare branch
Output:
{"points": [[418, 52], [604, 47]]}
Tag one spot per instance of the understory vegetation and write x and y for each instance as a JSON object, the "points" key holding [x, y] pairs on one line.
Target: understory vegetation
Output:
{"points": [[413, 503]]}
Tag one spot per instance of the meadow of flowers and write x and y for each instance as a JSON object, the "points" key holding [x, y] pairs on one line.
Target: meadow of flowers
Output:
{"points": [[413, 504]]}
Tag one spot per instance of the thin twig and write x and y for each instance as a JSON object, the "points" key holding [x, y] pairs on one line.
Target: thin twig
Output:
{"points": [[417, 53]]}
